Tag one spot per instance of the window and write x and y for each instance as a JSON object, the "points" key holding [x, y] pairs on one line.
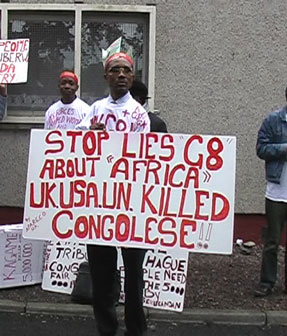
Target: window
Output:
{"points": [[71, 37]]}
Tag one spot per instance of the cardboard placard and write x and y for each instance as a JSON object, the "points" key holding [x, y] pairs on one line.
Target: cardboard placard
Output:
{"points": [[151, 190], [164, 274], [14, 57], [21, 260]]}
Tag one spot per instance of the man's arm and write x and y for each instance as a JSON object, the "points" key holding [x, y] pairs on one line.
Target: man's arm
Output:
{"points": [[157, 124], [46, 124], [3, 100], [143, 124], [85, 124], [266, 147]]}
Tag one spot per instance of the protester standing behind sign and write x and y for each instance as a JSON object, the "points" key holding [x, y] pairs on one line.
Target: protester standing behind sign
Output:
{"points": [[272, 147], [3, 98], [69, 111], [139, 92], [118, 112]]}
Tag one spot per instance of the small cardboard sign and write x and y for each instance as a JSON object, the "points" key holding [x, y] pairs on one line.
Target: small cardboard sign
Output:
{"points": [[62, 261], [165, 275], [14, 57], [21, 260]]}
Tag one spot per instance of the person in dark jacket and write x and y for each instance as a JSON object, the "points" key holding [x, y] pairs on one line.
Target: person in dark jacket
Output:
{"points": [[272, 147], [139, 92], [3, 98]]}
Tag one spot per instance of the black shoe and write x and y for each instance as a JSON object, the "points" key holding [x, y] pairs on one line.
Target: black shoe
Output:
{"points": [[263, 290]]}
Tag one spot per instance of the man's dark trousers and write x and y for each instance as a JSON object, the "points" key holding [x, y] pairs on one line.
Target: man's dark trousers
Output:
{"points": [[276, 213], [103, 266]]}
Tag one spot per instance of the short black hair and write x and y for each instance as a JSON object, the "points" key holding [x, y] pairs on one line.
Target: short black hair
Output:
{"points": [[139, 89]]}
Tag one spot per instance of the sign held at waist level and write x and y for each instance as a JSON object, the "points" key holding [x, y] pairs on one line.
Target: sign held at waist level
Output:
{"points": [[129, 189]]}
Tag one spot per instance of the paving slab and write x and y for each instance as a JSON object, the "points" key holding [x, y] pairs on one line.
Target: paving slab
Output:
{"points": [[59, 309], [12, 306], [276, 317], [230, 317]]}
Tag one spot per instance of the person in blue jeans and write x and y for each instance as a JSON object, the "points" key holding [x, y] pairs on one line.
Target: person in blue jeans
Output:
{"points": [[272, 147]]}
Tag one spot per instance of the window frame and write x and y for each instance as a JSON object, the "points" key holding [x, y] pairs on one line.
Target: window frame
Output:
{"points": [[78, 9]]}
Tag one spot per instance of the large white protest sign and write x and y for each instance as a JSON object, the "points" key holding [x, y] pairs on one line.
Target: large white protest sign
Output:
{"points": [[21, 260], [128, 189], [14, 56], [165, 274]]}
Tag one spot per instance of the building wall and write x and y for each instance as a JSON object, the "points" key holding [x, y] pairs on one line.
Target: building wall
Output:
{"points": [[220, 68]]}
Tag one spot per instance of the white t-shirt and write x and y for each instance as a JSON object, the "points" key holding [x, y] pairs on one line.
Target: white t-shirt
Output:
{"points": [[278, 192], [66, 116], [123, 115]]}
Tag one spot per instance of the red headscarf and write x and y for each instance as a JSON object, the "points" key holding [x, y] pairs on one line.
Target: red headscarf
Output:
{"points": [[119, 55], [69, 74]]}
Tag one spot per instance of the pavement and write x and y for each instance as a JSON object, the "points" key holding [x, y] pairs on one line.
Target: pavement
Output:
{"points": [[196, 316]]}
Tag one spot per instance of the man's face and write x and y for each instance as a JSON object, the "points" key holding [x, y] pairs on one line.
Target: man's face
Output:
{"points": [[119, 75], [68, 87]]}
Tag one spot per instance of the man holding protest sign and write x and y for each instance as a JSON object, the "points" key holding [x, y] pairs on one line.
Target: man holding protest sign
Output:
{"points": [[69, 111], [118, 112]]}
